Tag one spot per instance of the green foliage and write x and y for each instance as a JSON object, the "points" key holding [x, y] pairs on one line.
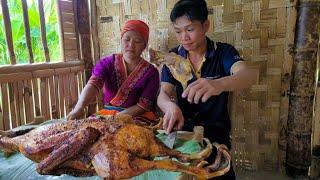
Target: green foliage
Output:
{"points": [[18, 32]]}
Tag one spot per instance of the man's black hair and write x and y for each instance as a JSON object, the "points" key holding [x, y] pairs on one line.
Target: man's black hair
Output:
{"points": [[193, 9]]}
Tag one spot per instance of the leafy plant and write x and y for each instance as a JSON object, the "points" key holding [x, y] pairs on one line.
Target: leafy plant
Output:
{"points": [[18, 32]]}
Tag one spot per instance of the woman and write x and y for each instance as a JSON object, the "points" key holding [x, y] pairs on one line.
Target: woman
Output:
{"points": [[129, 82]]}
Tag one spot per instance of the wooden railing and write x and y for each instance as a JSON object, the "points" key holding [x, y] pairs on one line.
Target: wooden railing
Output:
{"points": [[32, 93], [37, 92]]}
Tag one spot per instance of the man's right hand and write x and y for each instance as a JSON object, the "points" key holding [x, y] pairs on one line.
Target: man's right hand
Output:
{"points": [[172, 118]]}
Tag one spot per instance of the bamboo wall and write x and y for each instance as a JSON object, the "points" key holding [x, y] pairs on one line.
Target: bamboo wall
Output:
{"points": [[262, 31]]}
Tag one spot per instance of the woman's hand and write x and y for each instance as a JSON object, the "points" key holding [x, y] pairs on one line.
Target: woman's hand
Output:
{"points": [[75, 114], [203, 89], [172, 118]]}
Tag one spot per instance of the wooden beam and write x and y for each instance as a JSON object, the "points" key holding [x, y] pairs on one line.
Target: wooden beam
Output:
{"points": [[85, 37], [43, 30], [61, 32], [7, 27], [40, 66], [27, 29], [302, 89]]}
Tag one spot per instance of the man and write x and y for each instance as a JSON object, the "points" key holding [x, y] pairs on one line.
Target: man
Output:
{"points": [[217, 69]]}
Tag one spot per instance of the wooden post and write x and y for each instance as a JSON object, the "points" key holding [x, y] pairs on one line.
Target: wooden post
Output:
{"points": [[7, 27], [83, 24], [27, 28], [302, 89], [43, 30]]}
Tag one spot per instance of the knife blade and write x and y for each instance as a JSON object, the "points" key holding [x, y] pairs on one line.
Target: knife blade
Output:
{"points": [[170, 140]]}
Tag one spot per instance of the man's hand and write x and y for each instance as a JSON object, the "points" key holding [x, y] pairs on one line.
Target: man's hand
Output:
{"points": [[203, 89], [172, 118]]}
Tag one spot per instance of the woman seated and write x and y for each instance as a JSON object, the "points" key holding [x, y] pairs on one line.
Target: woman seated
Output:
{"points": [[130, 83]]}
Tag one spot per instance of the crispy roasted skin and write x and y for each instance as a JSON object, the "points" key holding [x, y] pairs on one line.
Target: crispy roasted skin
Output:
{"points": [[180, 68], [113, 148]]}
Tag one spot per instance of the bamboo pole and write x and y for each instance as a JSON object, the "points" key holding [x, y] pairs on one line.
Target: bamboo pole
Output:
{"points": [[43, 30], [8, 30], [302, 89], [27, 29]]}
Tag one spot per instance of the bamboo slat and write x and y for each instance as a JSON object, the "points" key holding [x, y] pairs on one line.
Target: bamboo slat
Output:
{"points": [[62, 95], [1, 116], [36, 96], [28, 100], [56, 91], [7, 27], [53, 98], [5, 106], [43, 30], [13, 110], [27, 29], [20, 105], [44, 98]]}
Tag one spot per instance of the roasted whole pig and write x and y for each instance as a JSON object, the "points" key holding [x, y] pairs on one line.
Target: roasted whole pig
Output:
{"points": [[112, 147]]}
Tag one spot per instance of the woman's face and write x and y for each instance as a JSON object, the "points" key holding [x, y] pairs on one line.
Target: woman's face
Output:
{"points": [[190, 34], [132, 45]]}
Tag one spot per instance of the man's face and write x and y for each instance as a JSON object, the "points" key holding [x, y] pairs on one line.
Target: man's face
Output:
{"points": [[190, 34]]}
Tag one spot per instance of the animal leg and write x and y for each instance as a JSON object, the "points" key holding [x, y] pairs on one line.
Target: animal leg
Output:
{"points": [[220, 167], [68, 149], [164, 151], [40, 149]]}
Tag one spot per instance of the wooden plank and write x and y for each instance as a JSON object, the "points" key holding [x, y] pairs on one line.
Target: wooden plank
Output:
{"points": [[33, 67], [84, 34], [8, 30], [28, 101], [66, 6], [43, 73], [76, 22], [27, 29], [68, 17], [67, 87], [15, 77], [35, 88], [20, 104], [43, 30], [70, 44], [45, 112], [14, 112], [5, 106], [73, 90], [62, 95], [57, 95], [53, 98]]}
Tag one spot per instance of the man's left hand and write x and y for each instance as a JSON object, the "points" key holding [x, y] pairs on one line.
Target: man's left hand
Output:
{"points": [[203, 89]]}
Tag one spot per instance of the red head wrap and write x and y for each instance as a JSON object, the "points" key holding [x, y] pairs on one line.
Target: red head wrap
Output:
{"points": [[138, 26]]}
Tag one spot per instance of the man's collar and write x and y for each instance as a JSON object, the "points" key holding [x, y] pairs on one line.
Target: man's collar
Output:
{"points": [[209, 54]]}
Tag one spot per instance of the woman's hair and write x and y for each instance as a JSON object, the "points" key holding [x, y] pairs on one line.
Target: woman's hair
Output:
{"points": [[193, 9]]}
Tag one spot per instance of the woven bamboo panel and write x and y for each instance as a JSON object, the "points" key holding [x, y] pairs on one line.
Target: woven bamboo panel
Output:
{"points": [[262, 31]]}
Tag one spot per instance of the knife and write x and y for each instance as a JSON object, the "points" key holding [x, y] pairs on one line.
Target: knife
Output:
{"points": [[170, 140]]}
